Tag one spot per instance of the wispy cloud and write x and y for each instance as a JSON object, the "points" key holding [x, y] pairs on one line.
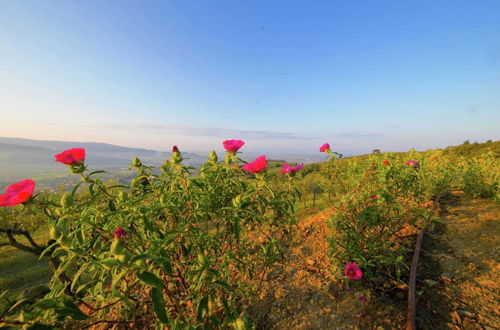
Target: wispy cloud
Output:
{"points": [[243, 134], [212, 131], [356, 135], [472, 109]]}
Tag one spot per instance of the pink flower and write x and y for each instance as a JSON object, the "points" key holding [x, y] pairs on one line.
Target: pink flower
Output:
{"points": [[71, 156], [290, 169], [386, 162], [413, 163], [17, 193], [353, 272], [119, 232], [233, 145], [362, 298], [324, 148], [286, 169], [257, 165], [374, 197]]}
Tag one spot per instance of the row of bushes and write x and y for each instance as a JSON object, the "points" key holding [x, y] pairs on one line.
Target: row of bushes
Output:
{"points": [[182, 251]]}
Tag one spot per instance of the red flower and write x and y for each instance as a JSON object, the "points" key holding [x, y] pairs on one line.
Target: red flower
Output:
{"points": [[17, 193], [353, 272], [71, 156], [175, 149], [324, 148], [233, 145], [374, 197], [290, 169], [119, 232], [386, 162], [257, 165]]}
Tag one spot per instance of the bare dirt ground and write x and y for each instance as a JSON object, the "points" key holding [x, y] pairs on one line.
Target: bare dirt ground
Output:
{"points": [[458, 279], [460, 268], [302, 295]]}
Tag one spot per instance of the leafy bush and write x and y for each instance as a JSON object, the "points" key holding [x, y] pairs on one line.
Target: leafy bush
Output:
{"points": [[369, 218], [167, 250], [481, 176]]}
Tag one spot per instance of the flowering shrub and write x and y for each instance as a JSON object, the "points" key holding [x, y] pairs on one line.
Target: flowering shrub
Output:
{"points": [[375, 201], [168, 250], [172, 250]]}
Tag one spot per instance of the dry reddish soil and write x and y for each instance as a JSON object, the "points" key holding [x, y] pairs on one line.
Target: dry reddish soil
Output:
{"points": [[302, 295], [457, 279], [462, 260]]}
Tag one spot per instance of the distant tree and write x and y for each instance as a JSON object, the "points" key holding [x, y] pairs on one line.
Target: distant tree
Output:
{"points": [[466, 142], [312, 186], [375, 151], [489, 141]]}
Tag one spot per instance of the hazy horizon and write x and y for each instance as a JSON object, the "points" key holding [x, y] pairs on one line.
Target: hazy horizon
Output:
{"points": [[283, 76]]}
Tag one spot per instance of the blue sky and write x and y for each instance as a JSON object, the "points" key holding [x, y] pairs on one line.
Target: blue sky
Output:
{"points": [[282, 75]]}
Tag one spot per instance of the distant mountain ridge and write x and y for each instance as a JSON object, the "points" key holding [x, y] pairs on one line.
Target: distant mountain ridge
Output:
{"points": [[21, 158]]}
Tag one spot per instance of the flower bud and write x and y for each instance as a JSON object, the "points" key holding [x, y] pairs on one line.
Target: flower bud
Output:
{"points": [[77, 168], [176, 157], [212, 157], [136, 162]]}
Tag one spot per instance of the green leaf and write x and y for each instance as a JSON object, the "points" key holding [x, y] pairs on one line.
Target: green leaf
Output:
{"points": [[77, 275], [73, 192], [111, 206], [202, 308], [224, 284], [151, 279], [159, 305], [237, 228], [166, 265], [97, 172], [70, 309]]}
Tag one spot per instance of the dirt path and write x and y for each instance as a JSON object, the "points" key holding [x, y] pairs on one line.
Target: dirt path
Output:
{"points": [[460, 268], [301, 294], [458, 279]]}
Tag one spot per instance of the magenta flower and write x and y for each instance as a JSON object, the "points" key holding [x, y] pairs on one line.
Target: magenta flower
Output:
{"points": [[413, 163], [233, 145], [352, 271], [17, 193], [119, 232], [258, 165], [362, 298], [290, 169], [374, 197], [286, 169], [324, 148]]}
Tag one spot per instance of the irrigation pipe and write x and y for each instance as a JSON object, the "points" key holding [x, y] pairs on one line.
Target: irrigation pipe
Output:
{"points": [[412, 304]]}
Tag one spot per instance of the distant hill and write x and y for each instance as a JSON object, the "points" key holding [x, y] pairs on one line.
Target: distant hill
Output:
{"points": [[475, 148], [23, 158]]}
